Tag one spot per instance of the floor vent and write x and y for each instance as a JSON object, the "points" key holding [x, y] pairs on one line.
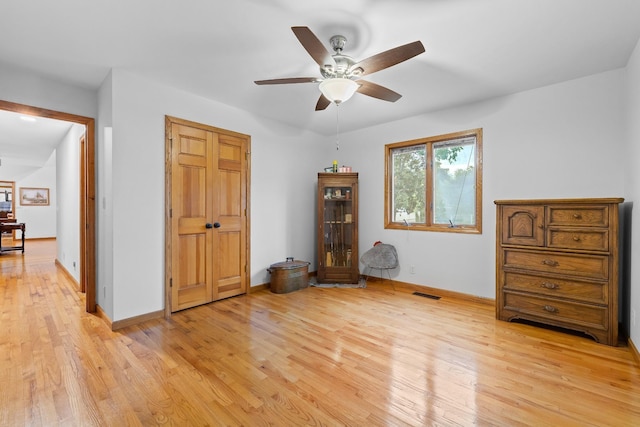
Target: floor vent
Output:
{"points": [[421, 294]]}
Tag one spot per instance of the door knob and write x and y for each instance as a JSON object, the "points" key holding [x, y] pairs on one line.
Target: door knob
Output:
{"points": [[209, 225], [216, 225]]}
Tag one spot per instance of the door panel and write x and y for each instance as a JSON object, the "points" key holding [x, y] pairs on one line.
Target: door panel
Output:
{"points": [[523, 225], [230, 209], [191, 282], [229, 280]]}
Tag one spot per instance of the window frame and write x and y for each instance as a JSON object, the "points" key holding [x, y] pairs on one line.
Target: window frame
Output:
{"points": [[429, 143]]}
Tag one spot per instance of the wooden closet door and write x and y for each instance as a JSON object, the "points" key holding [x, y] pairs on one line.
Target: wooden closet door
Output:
{"points": [[208, 214], [230, 216], [191, 210]]}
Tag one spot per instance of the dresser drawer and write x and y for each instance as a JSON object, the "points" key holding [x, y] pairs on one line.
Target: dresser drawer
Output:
{"points": [[591, 266], [584, 216], [561, 311], [596, 239], [593, 292]]}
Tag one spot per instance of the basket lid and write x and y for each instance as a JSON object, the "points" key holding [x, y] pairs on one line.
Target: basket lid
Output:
{"points": [[288, 265]]}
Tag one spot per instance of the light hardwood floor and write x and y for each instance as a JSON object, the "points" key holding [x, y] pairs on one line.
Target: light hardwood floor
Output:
{"points": [[357, 357]]}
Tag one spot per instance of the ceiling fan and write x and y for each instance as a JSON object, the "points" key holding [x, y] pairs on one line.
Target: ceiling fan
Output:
{"points": [[341, 75]]}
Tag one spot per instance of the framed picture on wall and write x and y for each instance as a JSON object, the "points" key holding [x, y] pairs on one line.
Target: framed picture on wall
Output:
{"points": [[34, 196]]}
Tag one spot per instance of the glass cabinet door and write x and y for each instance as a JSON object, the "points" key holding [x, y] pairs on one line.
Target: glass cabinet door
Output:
{"points": [[337, 223]]}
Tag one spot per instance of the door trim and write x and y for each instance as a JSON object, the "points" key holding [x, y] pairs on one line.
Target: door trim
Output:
{"points": [[168, 122], [83, 211], [87, 196]]}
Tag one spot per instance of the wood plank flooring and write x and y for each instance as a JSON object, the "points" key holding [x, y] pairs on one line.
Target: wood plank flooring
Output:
{"points": [[318, 357]]}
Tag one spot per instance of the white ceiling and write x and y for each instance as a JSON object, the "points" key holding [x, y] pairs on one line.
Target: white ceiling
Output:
{"points": [[475, 49], [27, 145]]}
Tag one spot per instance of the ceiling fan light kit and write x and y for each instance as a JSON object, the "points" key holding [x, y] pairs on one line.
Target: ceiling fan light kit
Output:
{"points": [[341, 74], [338, 90]]}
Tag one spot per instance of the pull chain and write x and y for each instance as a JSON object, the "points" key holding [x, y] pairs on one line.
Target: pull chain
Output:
{"points": [[337, 128]]}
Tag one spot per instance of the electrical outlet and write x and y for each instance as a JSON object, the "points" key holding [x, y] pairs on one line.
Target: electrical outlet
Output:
{"points": [[412, 269]]}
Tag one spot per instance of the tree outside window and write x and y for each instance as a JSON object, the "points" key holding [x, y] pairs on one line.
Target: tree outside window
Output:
{"points": [[435, 183]]}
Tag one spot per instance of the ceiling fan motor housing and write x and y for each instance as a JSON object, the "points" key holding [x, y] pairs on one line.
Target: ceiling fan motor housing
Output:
{"points": [[341, 68]]}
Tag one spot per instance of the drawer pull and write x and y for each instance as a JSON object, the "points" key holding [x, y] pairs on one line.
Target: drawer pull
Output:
{"points": [[577, 216], [576, 239], [549, 285], [550, 262], [550, 309]]}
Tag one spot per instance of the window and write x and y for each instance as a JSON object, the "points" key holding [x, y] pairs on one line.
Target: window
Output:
{"points": [[435, 183]]}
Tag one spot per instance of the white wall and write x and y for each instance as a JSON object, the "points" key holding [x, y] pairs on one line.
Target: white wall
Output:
{"points": [[40, 221], [283, 176], [560, 141], [30, 88], [68, 200], [104, 198], [632, 185]]}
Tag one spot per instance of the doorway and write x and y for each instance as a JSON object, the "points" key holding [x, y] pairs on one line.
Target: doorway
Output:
{"points": [[7, 199], [87, 193], [207, 214], [7, 206]]}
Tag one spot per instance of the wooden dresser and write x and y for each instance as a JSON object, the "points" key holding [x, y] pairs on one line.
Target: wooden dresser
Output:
{"points": [[557, 264]]}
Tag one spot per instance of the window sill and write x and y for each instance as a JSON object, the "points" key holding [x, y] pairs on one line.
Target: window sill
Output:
{"points": [[436, 228]]}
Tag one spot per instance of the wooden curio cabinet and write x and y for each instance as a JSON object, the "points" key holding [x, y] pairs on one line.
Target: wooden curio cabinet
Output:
{"points": [[338, 228]]}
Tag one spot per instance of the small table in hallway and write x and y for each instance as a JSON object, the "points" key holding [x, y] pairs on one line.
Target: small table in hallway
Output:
{"points": [[9, 227]]}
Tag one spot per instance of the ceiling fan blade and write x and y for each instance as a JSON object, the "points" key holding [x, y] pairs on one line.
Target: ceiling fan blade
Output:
{"points": [[288, 81], [377, 91], [323, 103], [389, 57], [310, 42]]}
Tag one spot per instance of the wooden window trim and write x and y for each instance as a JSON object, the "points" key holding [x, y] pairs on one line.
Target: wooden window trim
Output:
{"points": [[428, 226]]}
